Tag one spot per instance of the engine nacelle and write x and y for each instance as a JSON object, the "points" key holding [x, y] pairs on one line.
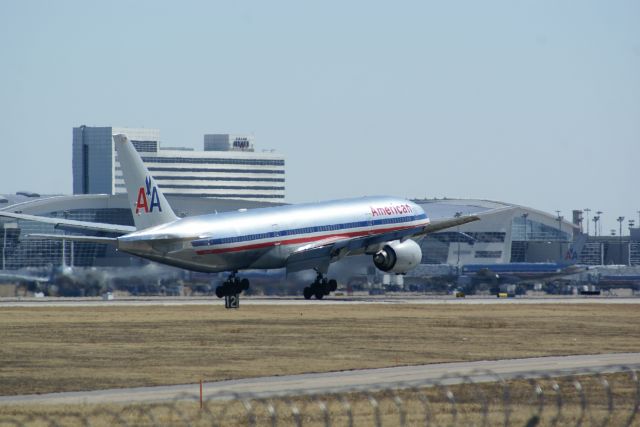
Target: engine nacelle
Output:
{"points": [[398, 257]]}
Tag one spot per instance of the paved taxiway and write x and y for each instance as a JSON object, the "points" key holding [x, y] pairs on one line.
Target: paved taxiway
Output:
{"points": [[481, 371], [177, 301]]}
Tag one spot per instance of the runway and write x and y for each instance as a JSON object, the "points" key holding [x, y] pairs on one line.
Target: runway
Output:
{"points": [[334, 300], [481, 371]]}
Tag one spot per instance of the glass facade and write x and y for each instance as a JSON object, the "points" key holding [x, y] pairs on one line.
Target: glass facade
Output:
{"points": [[592, 253], [470, 237], [518, 249], [145, 146], [438, 248], [537, 231], [21, 252], [435, 250], [92, 160], [634, 253]]}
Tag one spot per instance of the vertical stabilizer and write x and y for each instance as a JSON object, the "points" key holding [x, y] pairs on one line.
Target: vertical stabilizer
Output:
{"points": [[148, 205], [575, 249]]}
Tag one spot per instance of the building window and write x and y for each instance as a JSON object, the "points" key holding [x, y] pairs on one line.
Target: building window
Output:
{"points": [[537, 231], [488, 254], [169, 169], [517, 251], [214, 161], [146, 146]]}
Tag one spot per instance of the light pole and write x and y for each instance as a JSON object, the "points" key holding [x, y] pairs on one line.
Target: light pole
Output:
{"points": [[620, 219], [631, 224], [587, 210], [524, 217], [599, 213], [4, 245], [457, 215], [559, 236]]}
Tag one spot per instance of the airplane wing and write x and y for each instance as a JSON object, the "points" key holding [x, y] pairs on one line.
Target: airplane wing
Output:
{"points": [[320, 254], [22, 278], [70, 223], [441, 224]]}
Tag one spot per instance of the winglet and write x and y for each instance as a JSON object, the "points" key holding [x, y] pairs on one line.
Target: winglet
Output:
{"points": [[148, 205]]}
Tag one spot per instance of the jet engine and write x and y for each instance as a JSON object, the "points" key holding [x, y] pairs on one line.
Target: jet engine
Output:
{"points": [[398, 257]]}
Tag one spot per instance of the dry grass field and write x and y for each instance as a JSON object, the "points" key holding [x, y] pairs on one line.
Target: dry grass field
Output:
{"points": [[81, 348]]}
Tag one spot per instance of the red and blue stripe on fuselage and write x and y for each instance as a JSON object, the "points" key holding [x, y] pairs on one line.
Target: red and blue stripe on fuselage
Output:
{"points": [[382, 221]]}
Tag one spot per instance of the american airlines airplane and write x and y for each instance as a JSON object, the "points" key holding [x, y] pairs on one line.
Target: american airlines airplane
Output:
{"points": [[296, 237]]}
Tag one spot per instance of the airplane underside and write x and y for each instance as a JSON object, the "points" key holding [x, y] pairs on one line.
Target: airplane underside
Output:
{"points": [[258, 259], [217, 262]]}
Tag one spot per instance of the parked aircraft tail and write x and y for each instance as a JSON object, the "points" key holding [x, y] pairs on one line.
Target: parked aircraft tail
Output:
{"points": [[573, 253], [148, 205]]}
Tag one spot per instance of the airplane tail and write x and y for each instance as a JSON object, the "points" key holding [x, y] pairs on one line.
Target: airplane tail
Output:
{"points": [[573, 253], [148, 205]]}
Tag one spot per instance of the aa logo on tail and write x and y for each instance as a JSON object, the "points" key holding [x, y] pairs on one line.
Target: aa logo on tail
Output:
{"points": [[571, 255], [148, 198]]}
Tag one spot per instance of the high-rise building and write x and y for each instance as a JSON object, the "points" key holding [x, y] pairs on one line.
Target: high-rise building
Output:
{"points": [[229, 167]]}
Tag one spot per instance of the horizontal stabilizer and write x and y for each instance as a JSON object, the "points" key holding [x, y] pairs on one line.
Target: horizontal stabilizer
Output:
{"points": [[89, 239], [70, 223]]}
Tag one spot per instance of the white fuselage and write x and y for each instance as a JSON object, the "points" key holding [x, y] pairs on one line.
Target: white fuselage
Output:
{"points": [[264, 238]]}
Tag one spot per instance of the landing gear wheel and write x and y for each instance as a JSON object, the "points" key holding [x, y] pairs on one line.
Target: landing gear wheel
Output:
{"points": [[220, 291], [320, 287], [325, 287], [232, 286], [307, 292]]}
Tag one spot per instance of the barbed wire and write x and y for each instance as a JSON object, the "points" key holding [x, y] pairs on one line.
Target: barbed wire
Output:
{"points": [[595, 397]]}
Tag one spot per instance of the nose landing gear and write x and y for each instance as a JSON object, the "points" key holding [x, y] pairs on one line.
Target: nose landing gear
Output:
{"points": [[320, 287]]}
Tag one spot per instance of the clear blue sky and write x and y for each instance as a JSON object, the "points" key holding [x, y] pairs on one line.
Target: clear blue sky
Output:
{"points": [[531, 102]]}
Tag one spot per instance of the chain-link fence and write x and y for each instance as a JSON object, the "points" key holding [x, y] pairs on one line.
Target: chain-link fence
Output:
{"points": [[608, 397]]}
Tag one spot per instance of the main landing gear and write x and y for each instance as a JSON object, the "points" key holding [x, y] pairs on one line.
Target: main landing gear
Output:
{"points": [[232, 286], [320, 287]]}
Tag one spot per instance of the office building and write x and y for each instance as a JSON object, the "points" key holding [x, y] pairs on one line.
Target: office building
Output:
{"points": [[228, 167]]}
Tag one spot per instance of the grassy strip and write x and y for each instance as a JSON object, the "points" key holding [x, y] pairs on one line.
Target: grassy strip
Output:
{"points": [[47, 349]]}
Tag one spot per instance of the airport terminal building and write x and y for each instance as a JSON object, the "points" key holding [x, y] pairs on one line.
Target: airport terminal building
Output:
{"points": [[21, 252], [228, 167], [228, 175], [506, 233]]}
